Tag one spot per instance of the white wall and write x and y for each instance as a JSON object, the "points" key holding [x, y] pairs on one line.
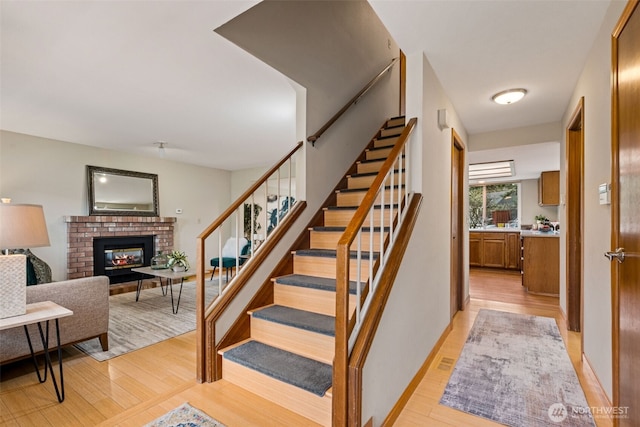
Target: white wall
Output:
{"points": [[53, 174], [329, 63], [530, 207], [536, 134], [594, 85], [417, 311]]}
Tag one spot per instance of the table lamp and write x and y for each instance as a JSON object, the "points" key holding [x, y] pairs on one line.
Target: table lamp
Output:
{"points": [[21, 227]]}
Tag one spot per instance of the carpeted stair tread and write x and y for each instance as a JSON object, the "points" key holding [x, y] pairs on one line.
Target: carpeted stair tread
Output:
{"points": [[313, 282], [386, 147], [365, 229], [331, 253], [397, 127], [307, 320], [373, 160], [307, 374], [380, 138], [358, 175], [349, 208], [350, 190]]}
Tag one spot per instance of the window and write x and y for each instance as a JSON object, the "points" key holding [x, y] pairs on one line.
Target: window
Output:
{"points": [[494, 205]]}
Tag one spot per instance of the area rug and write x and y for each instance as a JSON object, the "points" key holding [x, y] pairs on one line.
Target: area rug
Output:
{"points": [[185, 415], [514, 369], [137, 324]]}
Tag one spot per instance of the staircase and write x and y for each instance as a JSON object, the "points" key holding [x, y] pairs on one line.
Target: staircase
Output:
{"points": [[288, 357]]}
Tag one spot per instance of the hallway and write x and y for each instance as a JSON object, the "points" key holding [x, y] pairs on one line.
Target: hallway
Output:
{"points": [[423, 408]]}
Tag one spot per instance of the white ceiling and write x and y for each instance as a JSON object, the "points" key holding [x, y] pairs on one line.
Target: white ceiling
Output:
{"points": [[123, 75]]}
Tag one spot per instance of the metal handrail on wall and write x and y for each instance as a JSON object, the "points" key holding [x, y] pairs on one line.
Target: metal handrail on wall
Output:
{"points": [[231, 224], [313, 138], [382, 209]]}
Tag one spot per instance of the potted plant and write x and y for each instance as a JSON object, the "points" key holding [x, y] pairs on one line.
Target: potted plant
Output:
{"points": [[178, 261], [248, 217], [540, 220]]}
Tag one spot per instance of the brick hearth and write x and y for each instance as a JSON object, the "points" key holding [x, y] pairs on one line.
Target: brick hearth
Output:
{"points": [[82, 229]]}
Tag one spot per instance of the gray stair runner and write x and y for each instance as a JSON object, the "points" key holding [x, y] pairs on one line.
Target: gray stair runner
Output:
{"points": [[330, 253], [364, 229], [338, 208], [308, 374], [307, 320], [313, 282], [350, 190], [359, 175], [398, 128]]}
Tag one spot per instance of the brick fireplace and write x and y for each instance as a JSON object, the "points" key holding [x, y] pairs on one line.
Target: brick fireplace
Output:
{"points": [[81, 231]]}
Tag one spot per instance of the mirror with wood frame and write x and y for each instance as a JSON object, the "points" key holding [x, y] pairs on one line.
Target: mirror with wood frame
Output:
{"points": [[122, 193]]}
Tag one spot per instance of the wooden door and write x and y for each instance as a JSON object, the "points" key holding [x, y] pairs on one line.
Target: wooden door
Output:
{"points": [[457, 223], [625, 218]]}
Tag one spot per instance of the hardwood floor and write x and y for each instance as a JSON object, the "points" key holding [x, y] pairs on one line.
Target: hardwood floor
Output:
{"points": [[138, 387], [496, 290]]}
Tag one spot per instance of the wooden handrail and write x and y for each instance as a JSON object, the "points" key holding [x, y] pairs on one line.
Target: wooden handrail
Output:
{"points": [[342, 331], [202, 340], [240, 200], [313, 138]]}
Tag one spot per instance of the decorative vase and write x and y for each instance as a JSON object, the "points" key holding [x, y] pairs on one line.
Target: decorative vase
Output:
{"points": [[178, 268], [159, 262]]}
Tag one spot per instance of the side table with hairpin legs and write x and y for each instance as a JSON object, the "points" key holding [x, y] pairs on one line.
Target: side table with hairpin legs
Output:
{"points": [[37, 313]]}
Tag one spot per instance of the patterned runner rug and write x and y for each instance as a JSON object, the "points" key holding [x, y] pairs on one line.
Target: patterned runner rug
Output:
{"points": [[514, 369], [185, 415], [134, 325]]}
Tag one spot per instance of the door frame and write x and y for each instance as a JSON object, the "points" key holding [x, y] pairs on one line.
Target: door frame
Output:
{"points": [[574, 167], [458, 300]]}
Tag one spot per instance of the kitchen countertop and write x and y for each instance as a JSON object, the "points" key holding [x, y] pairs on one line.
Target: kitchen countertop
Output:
{"points": [[532, 233], [495, 229], [523, 233]]}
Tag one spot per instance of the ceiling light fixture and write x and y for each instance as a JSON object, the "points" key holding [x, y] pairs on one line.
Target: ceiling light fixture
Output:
{"points": [[502, 169], [161, 146], [509, 96]]}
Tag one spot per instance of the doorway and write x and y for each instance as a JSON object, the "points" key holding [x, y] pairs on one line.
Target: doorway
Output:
{"points": [[575, 202], [457, 222], [625, 222]]}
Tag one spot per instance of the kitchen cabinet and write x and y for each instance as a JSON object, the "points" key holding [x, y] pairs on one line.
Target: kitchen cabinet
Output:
{"points": [[475, 249], [494, 249], [541, 265], [549, 188], [513, 249]]}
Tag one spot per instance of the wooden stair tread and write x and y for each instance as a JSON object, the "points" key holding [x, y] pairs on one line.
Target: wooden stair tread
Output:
{"points": [[330, 253], [352, 190], [334, 229], [387, 147], [358, 175], [348, 208], [284, 366], [373, 160], [313, 282], [302, 319]]}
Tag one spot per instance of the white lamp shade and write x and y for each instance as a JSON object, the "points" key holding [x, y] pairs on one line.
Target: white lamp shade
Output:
{"points": [[22, 226]]}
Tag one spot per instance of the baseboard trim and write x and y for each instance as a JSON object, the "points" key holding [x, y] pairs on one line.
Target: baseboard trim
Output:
{"points": [[599, 390], [413, 384], [466, 302]]}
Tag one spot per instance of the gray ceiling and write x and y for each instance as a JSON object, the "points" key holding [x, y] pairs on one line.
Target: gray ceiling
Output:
{"points": [[123, 75]]}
